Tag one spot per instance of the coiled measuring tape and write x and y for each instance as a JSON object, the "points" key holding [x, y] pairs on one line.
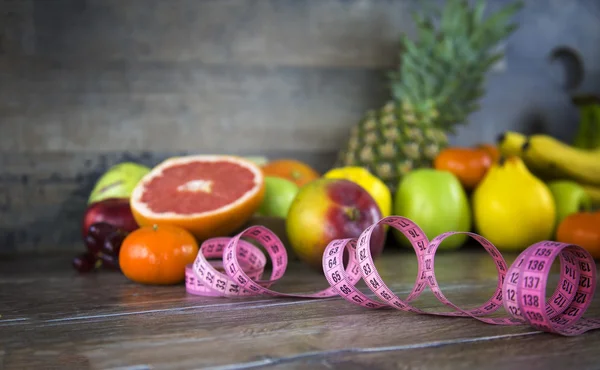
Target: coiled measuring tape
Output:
{"points": [[521, 288]]}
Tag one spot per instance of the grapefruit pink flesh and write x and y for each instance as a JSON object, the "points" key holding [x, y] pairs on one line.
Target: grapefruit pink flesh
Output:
{"points": [[197, 187], [209, 195]]}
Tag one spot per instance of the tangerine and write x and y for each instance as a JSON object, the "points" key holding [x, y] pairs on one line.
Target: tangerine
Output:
{"points": [[291, 169], [581, 228], [491, 149], [157, 254], [468, 164]]}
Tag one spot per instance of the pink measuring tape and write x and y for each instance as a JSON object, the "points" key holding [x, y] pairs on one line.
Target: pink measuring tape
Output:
{"points": [[521, 287]]}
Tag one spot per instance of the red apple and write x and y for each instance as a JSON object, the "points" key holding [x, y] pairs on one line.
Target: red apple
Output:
{"points": [[114, 211], [327, 209]]}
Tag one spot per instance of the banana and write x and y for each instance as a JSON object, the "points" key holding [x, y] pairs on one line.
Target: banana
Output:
{"points": [[594, 194], [563, 160], [510, 143]]}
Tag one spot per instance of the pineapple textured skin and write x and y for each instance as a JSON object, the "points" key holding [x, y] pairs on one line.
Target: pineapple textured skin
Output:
{"points": [[437, 85], [389, 146]]}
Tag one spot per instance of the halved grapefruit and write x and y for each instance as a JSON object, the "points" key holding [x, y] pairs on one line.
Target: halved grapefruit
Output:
{"points": [[208, 195]]}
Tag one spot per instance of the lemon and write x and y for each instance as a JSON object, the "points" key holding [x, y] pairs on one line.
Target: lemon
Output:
{"points": [[371, 183]]}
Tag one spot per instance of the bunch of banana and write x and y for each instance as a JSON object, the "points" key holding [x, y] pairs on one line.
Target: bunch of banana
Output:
{"points": [[551, 159], [510, 143]]}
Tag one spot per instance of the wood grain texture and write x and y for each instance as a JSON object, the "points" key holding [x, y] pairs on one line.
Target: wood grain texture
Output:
{"points": [[188, 106], [53, 318], [182, 106], [43, 196], [272, 33], [17, 29], [280, 74], [85, 83]]}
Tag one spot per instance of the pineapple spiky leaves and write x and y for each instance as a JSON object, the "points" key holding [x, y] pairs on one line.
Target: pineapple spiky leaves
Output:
{"points": [[435, 88]]}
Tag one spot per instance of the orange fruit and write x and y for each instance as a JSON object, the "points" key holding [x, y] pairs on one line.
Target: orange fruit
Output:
{"points": [[208, 195], [468, 164], [491, 149], [581, 228], [157, 254], [291, 169]]}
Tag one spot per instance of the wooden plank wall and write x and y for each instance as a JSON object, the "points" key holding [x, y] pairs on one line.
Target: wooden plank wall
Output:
{"points": [[85, 84]]}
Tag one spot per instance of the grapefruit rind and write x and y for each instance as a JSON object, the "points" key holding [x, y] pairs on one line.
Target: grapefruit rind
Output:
{"points": [[203, 225]]}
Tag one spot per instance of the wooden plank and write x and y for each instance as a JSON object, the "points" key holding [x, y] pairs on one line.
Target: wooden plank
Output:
{"points": [[90, 87], [17, 30], [189, 106], [357, 33], [53, 317], [492, 352], [22, 278], [182, 106], [283, 32], [287, 75], [43, 195]]}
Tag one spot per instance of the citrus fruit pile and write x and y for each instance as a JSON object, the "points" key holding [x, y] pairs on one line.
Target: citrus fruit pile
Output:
{"points": [[184, 200], [171, 208], [179, 203]]}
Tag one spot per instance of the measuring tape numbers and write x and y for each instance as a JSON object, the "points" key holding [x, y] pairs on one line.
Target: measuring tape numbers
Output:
{"points": [[232, 266]]}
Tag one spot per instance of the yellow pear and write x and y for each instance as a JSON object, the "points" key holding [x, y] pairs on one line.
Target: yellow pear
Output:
{"points": [[512, 208]]}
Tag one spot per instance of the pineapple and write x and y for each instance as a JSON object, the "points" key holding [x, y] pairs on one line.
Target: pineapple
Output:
{"points": [[435, 88]]}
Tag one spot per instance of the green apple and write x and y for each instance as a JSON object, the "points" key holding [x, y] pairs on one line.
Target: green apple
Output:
{"points": [[279, 194], [437, 202], [569, 197], [118, 181]]}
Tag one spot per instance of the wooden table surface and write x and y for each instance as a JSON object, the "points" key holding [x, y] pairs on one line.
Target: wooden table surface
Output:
{"points": [[52, 318]]}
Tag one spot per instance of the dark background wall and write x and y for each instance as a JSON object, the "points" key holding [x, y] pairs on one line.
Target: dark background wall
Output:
{"points": [[85, 84]]}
